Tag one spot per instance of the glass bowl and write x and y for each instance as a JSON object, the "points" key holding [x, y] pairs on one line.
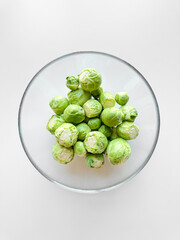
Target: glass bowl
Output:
{"points": [[34, 112]]}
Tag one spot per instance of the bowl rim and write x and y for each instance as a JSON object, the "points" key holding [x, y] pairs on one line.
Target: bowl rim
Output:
{"points": [[81, 190]]}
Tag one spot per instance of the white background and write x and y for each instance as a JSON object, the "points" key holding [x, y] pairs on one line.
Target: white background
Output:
{"points": [[146, 33]]}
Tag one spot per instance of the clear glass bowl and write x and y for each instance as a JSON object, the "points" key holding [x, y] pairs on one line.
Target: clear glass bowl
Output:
{"points": [[34, 112]]}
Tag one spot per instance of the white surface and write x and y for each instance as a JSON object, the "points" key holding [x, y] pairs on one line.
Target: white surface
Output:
{"points": [[144, 33]]}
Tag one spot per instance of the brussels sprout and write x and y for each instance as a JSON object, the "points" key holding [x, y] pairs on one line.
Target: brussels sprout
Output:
{"points": [[122, 113], [90, 79], [118, 151], [61, 154], [78, 96], [94, 160], [105, 130], [96, 93], [122, 98], [86, 119], [58, 104], [74, 114], [72, 83], [105, 152], [130, 113], [66, 134], [83, 130], [92, 108], [127, 130], [94, 123], [111, 117], [54, 122], [107, 99], [79, 149], [114, 134], [95, 142]]}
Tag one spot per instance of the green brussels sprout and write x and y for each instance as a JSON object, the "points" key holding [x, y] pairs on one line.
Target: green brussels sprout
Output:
{"points": [[105, 152], [95, 142], [107, 99], [114, 134], [105, 130], [111, 117], [130, 113], [127, 130], [96, 93], [92, 108], [90, 79], [61, 154], [83, 130], [78, 96], [122, 98], [86, 119], [74, 114], [58, 104], [66, 134], [122, 113], [79, 149], [118, 151], [54, 122], [94, 123], [94, 160], [72, 83]]}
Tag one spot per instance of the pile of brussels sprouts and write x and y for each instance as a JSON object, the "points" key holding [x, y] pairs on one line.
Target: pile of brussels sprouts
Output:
{"points": [[88, 123]]}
